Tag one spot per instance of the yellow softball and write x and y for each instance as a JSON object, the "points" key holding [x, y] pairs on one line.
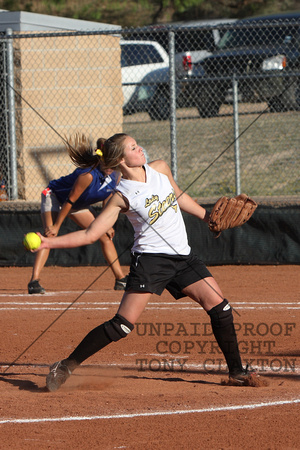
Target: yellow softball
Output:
{"points": [[31, 241]]}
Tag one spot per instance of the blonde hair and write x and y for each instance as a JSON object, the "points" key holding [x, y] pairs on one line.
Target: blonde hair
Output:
{"points": [[81, 151], [112, 150]]}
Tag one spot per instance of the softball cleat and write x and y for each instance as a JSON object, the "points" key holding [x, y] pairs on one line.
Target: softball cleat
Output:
{"points": [[58, 375]]}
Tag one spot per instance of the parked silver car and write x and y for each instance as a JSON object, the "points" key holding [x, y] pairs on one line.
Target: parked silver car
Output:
{"points": [[139, 58]]}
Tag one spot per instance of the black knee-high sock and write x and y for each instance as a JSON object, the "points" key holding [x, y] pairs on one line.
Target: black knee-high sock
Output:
{"points": [[223, 328], [94, 341]]}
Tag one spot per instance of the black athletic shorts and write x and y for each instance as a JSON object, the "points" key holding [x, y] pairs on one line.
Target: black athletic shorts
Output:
{"points": [[154, 272]]}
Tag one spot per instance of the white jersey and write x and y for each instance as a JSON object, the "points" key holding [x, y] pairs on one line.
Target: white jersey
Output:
{"points": [[155, 215]]}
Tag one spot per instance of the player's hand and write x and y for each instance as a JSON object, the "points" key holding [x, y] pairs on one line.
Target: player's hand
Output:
{"points": [[51, 231], [44, 241], [110, 233]]}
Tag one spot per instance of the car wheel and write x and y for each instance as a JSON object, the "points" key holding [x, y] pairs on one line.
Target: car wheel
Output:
{"points": [[160, 106], [276, 105], [209, 109], [292, 95], [289, 100], [127, 112]]}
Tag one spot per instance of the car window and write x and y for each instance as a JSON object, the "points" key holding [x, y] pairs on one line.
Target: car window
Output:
{"points": [[193, 40], [262, 36], [186, 39], [139, 54]]}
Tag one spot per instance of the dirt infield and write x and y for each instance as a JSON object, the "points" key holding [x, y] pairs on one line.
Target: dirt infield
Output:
{"points": [[160, 387]]}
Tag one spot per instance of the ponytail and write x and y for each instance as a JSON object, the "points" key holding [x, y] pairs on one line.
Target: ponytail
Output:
{"points": [[81, 152], [107, 155]]}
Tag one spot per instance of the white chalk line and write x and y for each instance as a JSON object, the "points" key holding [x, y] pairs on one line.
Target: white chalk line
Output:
{"points": [[56, 293], [150, 303], [182, 361], [109, 291], [187, 366], [105, 305], [74, 309], [184, 366], [154, 413], [181, 367]]}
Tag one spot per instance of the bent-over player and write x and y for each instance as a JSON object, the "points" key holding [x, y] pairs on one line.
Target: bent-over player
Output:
{"points": [[72, 196]]}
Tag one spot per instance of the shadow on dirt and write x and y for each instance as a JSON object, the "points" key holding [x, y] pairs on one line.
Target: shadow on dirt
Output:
{"points": [[23, 385]]}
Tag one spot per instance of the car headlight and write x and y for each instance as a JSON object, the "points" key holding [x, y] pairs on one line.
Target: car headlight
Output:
{"points": [[275, 63]]}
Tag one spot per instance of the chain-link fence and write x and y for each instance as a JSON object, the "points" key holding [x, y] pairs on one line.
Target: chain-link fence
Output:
{"points": [[218, 101]]}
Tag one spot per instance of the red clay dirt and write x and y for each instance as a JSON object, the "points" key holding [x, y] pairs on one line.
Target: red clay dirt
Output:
{"points": [[161, 387]]}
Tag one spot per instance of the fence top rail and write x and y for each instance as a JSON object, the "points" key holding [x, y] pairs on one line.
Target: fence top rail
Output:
{"points": [[162, 28], [224, 24], [42, 34]]}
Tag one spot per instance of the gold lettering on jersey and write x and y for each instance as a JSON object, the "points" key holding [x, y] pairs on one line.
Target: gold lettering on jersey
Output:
{"points": [[159, 208], [151, 200]]}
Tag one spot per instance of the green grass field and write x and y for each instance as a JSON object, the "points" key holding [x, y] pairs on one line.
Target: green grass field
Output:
{"points": [[269, 150]]}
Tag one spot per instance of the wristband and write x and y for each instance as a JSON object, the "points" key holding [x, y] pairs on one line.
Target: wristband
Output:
{"points": [[69, 201]]}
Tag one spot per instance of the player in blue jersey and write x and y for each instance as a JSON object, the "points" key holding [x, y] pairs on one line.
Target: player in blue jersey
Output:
{"points": [[72, 196]]}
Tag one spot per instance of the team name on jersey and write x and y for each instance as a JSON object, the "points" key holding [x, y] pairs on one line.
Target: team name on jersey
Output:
{"points": [[157, 208]]}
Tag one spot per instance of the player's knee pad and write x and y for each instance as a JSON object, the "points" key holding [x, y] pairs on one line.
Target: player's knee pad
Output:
{"points": [[117, 327], [221, 315]]}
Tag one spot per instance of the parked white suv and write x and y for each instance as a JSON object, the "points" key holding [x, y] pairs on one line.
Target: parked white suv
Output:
{"points": [[139, 58]]}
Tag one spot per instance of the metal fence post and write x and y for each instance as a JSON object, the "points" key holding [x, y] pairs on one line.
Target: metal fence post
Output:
{"points": [[236, 136], [172, 81], [12, 118]]}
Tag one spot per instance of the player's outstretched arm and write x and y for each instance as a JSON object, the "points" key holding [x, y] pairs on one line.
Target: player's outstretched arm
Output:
{"points": [[186, 203], [104, 221]]}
